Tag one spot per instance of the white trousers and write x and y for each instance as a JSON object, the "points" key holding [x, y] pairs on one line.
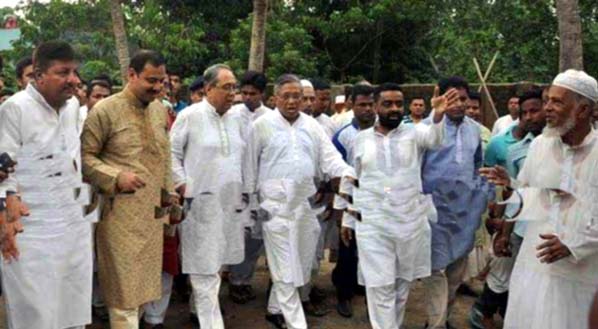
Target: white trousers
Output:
{"points": [[155, 311], [207, 306], [305, 290], [386, 304], [441, 290], [284, 298]]}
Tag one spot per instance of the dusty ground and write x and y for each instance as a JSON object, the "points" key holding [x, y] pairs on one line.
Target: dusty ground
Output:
{"points": [[251, 315]]}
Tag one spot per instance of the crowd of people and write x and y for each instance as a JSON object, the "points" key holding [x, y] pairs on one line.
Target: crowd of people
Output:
{"points": [[108, 200]]}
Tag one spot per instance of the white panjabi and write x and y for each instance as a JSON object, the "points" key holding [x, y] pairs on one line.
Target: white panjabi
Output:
{"points": [[49, 286]]}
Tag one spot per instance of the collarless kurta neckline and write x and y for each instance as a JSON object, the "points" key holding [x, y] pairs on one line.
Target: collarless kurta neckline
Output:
{"points": [[289, 124], [132, 99]]}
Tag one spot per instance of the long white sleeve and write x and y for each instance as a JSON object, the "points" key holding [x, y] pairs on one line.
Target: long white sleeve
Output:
{"points": [[252, 159], [331, 161], [10, 140], [430, 136], [178, 142]]}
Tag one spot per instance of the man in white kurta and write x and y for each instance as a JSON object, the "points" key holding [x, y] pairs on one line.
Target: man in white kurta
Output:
{"points": [[287, 149], [504, 122], [555, 274], [253, 86], [49, 285], [391, 220], [207, 159]]}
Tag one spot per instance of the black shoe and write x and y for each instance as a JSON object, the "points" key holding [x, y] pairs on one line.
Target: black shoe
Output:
{"points": [[316, 310], [345, 308], [248, 292], [317, 295], [277, 320], [237, 294], [193, 319], [101, 313]]}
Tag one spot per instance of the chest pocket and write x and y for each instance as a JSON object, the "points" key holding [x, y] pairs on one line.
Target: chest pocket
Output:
{"points": [[404, 153]]}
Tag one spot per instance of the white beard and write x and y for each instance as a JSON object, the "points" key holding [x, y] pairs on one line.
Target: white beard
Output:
{"points": [[559, 131]]}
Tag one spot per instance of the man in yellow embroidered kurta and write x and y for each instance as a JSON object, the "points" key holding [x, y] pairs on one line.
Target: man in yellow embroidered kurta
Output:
{"points": [[126, 153]]}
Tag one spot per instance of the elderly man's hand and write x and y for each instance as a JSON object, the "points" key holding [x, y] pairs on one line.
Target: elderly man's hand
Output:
{"points": [[496, 175], [552, 249]]}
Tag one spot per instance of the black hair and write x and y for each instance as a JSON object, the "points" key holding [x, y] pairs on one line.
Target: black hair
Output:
{"points": [[452, 82], [104, 77], [196, 84], [320, 84], [176, 72], [474, 95], [143, 57], [533, 93], [387, 86], [255, 79], [101, 83], [416, 98], [22, 64], [348, 91], [361, 90], [50, 51]]}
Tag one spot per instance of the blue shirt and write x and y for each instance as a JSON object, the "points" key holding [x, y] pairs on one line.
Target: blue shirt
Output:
{"points": [[450, 174], [496, 151], [343, 140], [179, 106], [516, 155]]}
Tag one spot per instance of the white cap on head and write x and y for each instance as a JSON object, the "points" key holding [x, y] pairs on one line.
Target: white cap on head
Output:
{"points": [[578, 82], [340, 99], [306, 83]]}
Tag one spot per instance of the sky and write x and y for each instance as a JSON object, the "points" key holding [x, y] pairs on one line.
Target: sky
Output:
{"points": [[14, 3]]}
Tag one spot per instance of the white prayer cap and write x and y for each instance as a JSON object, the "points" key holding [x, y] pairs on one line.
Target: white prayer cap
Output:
{"points": [[340, 99], [579, 82], [306, 83]]}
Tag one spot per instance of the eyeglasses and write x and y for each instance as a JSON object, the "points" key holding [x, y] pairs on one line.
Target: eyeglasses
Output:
{"points": [[229, 87], [288, 97]]}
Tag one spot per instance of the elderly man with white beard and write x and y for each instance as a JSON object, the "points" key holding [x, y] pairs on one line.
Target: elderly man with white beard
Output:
{"points": [[554, 279], [287, 150]]}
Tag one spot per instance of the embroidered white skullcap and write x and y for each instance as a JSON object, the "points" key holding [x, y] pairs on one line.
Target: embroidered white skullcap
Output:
{"points": [[579, 82], [306, 83], [340, 99]]}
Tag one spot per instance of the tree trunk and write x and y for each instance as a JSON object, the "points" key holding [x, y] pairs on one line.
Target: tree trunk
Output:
{"points": [[120, 36], [378, 52], [571, 49], [258, 36]]}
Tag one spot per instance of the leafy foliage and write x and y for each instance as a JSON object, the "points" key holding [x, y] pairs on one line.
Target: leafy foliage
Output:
{"points": [[342, 40]]}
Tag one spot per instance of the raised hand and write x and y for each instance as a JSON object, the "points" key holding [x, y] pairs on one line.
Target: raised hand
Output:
{"points": [[442, 102]]}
